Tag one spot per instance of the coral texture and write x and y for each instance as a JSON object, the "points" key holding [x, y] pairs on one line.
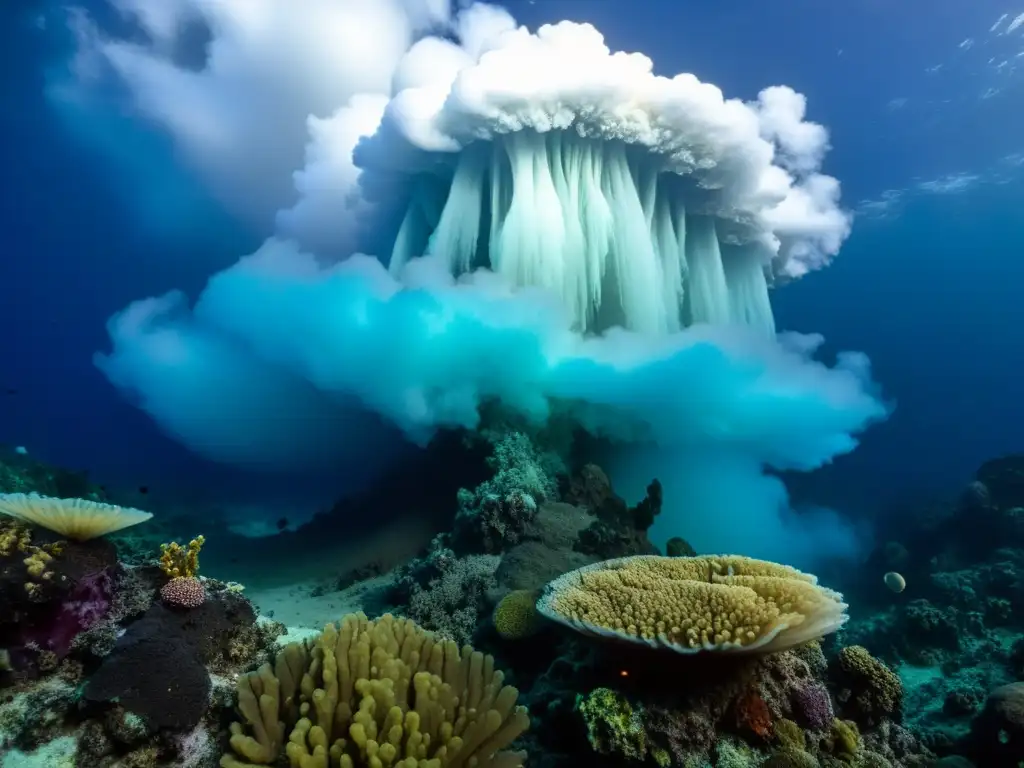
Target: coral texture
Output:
{"points": [[693, 604], [516, 616], [77, 519], [183, 592], [873, 690], [377, 693]]}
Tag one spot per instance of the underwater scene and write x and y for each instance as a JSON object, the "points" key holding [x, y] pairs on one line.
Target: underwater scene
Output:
{"points": [[553, 383]]}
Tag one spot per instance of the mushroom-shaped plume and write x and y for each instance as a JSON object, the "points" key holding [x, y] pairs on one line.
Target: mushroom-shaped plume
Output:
{"points": [[77, 519], [693, 604]]}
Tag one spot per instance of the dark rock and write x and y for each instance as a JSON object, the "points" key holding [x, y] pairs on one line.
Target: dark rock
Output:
{"points": [[677, 546], [360, 573], [1004, 480], [548, 551], [997, 734], [155, 674], [621, 531]]}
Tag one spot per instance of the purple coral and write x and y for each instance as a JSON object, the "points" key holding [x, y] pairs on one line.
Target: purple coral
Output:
{"points": [[84, 607], [812, 706]]}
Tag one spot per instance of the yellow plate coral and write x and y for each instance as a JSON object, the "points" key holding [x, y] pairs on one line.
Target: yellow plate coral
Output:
{"points": [[719, 603], [78, 519]]}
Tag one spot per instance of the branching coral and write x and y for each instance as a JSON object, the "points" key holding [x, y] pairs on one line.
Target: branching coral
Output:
{"points": [[176, 560], [446, 593], [377, 693], [16, 542], [693, 604], [494, 515]]}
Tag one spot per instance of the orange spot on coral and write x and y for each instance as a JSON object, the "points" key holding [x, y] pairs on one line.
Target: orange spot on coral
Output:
{"points": [[752, 714]]}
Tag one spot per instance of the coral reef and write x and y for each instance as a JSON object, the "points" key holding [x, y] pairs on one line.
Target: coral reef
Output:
{"points": [[93, 674], [446, 593], [954, 636], [21, 473], [106, 664], [513, 532], [619, 530]]}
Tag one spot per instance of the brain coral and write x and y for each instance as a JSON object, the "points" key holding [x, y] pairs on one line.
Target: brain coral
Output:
{"points": [[515, 616], [694, 604]]}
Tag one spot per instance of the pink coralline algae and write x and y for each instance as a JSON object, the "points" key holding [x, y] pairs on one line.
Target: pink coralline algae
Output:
{"points": [[812, 707], [85, 606], [184, 592]]}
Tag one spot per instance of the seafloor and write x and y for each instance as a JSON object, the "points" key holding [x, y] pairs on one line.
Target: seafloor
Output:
{"points": [[103, 665]]}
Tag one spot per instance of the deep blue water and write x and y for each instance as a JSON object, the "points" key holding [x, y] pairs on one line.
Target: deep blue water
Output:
{"points": [[94, 220]]}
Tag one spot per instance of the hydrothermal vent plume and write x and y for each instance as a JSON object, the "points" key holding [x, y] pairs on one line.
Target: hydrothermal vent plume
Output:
{"points": [[646, 202], [586, 218]]}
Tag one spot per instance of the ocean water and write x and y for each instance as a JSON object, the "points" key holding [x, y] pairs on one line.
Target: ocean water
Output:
{"points": [[201, 202]]}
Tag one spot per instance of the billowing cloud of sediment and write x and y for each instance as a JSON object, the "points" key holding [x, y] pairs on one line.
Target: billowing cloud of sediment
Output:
{"points": [[243, 87], [426, 350], [550, 225]]}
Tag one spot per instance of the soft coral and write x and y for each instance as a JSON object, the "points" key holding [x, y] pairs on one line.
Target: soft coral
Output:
{"points": [[84, 606]]}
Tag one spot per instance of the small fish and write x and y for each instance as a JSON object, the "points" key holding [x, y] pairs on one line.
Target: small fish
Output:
{"points": [[143, 489], [282, 523], [10, 391], [21, 450]]}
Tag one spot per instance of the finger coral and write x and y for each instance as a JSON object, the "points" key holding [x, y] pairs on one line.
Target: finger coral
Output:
{"points": [[77, 519], [693, 604], [377, 693]]}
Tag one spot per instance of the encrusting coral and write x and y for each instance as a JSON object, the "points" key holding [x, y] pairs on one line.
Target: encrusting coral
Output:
{"points": [[692, 604], [77, 519], [377, 693], [614, 726], [873, 690]]}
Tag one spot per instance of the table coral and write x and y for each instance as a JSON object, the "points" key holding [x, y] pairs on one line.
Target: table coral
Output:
{"points": [[694, 604]]}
